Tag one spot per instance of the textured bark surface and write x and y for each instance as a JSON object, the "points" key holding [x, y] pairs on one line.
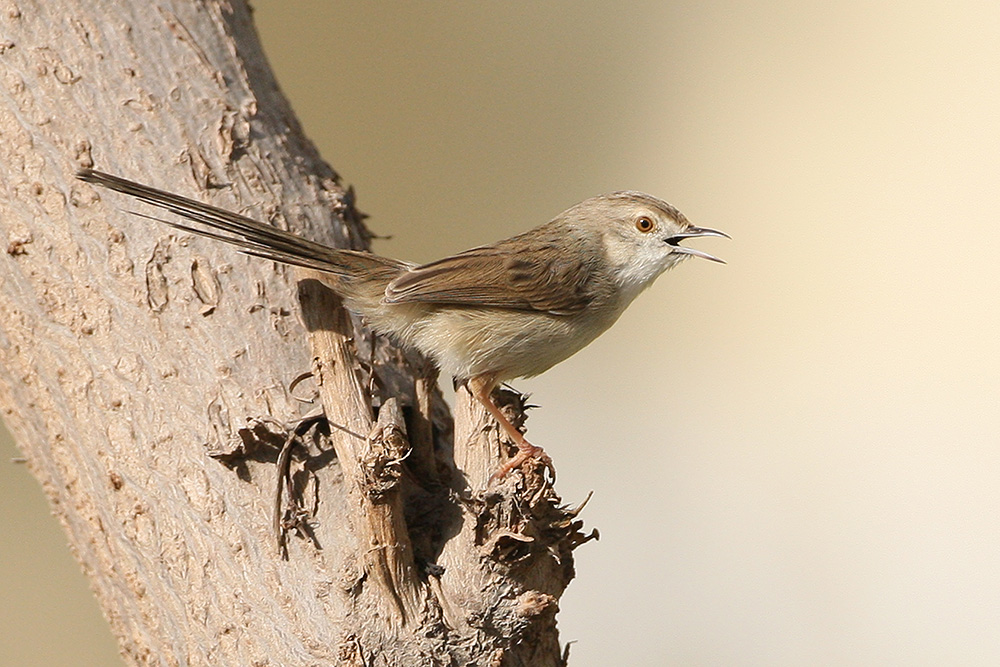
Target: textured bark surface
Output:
{"points": [[152, 378]]}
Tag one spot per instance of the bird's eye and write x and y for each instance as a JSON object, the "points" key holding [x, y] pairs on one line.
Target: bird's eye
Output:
{"points": [[644, 224]]}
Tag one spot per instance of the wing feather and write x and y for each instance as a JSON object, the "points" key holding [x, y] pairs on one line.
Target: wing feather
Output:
{"points": [[540, 270]]}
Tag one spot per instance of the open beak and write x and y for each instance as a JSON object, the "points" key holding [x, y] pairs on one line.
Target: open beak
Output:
{"points": [[694, 232]]}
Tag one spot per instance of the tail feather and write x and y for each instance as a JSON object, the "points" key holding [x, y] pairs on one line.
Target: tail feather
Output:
{"points": [[250, 236]]}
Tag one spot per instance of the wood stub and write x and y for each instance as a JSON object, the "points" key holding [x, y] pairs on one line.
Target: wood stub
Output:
{"points": [[371, 456]]}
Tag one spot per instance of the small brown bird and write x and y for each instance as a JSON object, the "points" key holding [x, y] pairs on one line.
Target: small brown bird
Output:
{"points": [[490, 314]]}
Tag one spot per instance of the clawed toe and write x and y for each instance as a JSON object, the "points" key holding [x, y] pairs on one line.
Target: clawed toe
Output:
{"points": [[523, 454]]}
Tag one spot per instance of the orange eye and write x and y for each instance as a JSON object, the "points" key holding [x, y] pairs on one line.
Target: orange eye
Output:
{"points": [[644, 224]]}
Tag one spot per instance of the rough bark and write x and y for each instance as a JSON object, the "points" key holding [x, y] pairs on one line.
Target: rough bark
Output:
{"points": [[154, 380]]}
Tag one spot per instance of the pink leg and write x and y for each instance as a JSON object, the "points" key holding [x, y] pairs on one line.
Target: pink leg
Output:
{"points": [[482, 387]]}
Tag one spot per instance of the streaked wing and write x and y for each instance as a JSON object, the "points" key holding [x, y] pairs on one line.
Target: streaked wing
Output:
{"points": [[528, 272]]}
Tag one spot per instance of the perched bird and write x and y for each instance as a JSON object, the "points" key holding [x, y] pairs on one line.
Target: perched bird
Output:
{"points": [[490, 314]]}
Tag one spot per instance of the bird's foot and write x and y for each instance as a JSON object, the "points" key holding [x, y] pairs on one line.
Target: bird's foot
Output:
{"points": [[525, 451]]}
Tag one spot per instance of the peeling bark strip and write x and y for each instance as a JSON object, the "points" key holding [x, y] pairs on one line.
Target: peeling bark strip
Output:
{"points": [[148, 377]]}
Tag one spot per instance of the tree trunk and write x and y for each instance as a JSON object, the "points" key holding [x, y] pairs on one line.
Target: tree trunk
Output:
{"points": [[158, 383]]}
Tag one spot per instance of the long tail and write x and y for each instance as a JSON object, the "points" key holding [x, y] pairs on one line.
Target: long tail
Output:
{"points": [[250, 236]]}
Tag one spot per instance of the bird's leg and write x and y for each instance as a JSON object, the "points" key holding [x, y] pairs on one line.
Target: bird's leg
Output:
{"points": [[481, 387]]}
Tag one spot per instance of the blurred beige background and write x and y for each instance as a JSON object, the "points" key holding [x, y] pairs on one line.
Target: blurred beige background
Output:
{"points": [[795, 457]]}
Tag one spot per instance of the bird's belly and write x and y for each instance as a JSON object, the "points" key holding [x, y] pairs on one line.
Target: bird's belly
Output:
{"points": [[466, 342]]}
